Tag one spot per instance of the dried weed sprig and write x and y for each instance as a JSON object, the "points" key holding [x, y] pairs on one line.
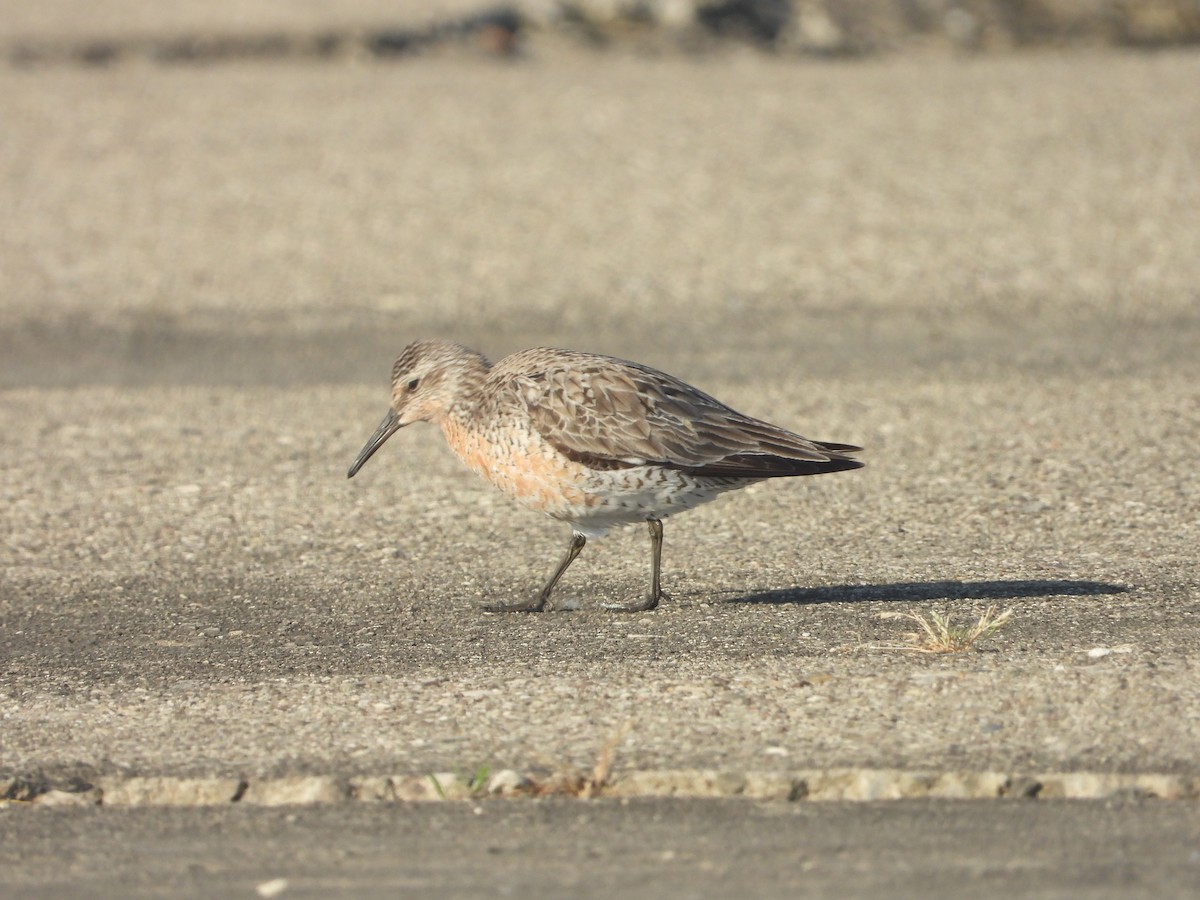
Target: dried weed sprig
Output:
{"points": [[939, 633]]}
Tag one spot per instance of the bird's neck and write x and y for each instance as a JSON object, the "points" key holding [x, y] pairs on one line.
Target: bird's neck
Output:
{"points": [[468, 387]]}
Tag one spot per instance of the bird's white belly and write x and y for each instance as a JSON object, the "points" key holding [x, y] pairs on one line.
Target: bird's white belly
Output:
{"points": [[624, 496]]}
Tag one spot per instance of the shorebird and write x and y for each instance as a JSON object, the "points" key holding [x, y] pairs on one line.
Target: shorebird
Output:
{"points": [[591, 440]]}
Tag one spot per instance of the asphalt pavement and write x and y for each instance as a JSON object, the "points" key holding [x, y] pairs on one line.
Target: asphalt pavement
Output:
{"points": [[983, 270]]}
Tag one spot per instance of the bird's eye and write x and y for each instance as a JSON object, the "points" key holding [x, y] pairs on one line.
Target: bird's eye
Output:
{"points": [[412, 385]]}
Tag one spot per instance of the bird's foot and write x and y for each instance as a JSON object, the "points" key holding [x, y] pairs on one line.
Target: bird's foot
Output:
{"points": [[650, 602]]}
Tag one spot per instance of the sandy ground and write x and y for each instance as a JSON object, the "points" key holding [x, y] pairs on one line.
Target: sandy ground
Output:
{"points": [[983, 270]]}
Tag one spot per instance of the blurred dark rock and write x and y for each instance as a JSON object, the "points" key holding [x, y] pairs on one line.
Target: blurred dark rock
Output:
{"points": [[803, 27]]}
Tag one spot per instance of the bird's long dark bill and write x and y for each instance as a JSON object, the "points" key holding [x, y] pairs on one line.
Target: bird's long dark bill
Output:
{"points": [[389, 426]]}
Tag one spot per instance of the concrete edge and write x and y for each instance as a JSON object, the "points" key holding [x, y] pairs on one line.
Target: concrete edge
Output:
{"points": [[817, 785]]}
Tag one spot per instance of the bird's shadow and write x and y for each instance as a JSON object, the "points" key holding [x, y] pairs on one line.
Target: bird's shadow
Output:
{"points": [[933, 590]]}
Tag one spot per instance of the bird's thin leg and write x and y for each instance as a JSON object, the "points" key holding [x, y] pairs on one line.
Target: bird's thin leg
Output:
{"points": [[656, 592], [539, 604]]}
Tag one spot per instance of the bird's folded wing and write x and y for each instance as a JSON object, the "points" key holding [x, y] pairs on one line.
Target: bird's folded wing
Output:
{"points": [[621, 413]]}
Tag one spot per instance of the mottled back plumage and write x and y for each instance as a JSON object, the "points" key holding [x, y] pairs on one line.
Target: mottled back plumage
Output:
{"points": [[610, 410]]}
